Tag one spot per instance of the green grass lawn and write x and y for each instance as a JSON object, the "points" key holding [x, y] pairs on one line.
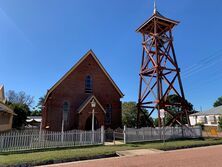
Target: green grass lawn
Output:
{"points": [[69, 154]]}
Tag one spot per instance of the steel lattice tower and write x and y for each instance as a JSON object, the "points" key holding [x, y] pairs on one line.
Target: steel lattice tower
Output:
{"points": [[159, 73]]}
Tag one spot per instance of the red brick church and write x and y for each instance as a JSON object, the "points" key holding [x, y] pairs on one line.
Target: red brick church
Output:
{"points": [[68, 102]]}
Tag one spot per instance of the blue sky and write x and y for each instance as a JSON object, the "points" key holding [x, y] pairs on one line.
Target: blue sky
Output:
{"points": [[41, 39]]}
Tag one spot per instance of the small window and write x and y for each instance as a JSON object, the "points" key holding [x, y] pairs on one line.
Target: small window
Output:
{"points": [[88, 84], [65, 111], [108, 114]]}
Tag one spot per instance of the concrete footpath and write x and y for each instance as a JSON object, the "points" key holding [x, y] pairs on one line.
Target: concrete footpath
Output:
{"points": [[138, 152], [198, 157]]}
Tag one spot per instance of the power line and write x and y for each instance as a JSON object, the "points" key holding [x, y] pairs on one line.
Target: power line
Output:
{"points": [[203, 64], [205, 60]]}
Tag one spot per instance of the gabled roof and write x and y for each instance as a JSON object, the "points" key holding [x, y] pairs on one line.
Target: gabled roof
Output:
{"points": [[87, 101], [197, 114], [90, 52], [2, 94], [213, 111], [4, 108]]}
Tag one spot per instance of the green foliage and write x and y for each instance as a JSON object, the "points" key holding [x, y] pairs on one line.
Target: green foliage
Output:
{"points": [[218, 102], [36, 113], [175, 99], [20, 102], [22, 111], [156, 122], [41, 103], [37, 110], [129, 115], [201, 125], [220, 122], [40, 157]]}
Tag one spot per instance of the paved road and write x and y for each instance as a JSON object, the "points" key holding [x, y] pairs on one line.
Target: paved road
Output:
{"points": [[197, 157]]}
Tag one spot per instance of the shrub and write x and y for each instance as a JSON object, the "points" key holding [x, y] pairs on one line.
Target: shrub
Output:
{"points": [[220, 122], [201, 125]]}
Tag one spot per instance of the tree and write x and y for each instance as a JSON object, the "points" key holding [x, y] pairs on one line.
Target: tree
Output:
{"points": [[174, 99], [220, 122], [218, 102], [20, 102], [129, 115], [19, 98], [37, 110], [21, 111], [41, 103], [156, 122], [36, 113]]}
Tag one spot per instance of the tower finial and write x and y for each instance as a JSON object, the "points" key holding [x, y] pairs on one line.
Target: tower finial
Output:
{"points": [[155, 8]]}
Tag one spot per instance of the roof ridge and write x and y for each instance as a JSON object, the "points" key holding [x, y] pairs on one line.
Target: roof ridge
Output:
{"points": [[90, 52], [87, 101], [7, 108]]}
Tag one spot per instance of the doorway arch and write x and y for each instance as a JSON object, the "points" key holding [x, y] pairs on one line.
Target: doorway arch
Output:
{"points": [[88, 125]]}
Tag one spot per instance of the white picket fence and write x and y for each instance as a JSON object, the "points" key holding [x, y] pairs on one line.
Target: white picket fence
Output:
{"points": [[35, 139], [167, 133]]}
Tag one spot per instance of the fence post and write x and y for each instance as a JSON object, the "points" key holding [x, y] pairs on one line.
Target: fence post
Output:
{"points": [[173, 132], [102, 134], [40, 131], [200, 131], [80, 137], [143, 134], [114, 138], [182, 131], [124, 134], [2, 143]]}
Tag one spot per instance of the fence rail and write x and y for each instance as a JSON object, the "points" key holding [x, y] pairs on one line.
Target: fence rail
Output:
{"points": [[167, 133], [29, 140], [35, 139]]}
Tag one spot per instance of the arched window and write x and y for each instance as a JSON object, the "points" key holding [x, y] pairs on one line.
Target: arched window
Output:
{"points": [[88, 84], [108, 114], [65, 111]]}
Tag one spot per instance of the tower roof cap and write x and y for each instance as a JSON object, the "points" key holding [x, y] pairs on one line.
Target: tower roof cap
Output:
{"points": [[160, 18], [155, 8]]}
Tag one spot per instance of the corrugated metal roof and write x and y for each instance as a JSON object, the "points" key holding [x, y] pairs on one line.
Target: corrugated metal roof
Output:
{"points": [[213, 111], [34, 118], [5, 108]]}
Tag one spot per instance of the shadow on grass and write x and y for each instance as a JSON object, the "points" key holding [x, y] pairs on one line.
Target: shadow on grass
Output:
{"points": [[105, 153], [48, 149], [132, 145], [160, 141]]}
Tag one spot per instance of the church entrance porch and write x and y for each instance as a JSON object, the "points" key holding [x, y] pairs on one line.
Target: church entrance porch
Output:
{"points": [[88, 125], [87, 111]]}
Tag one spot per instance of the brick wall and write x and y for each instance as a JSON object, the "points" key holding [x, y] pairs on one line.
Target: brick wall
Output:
{"points": [[72, 90]]}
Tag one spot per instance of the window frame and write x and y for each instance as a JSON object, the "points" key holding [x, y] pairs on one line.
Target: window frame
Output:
{"points": [[88, 84], [109, 111], [65, 110]]}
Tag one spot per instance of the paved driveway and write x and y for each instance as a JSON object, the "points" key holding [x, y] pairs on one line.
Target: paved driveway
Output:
{"points": [[197, 157]]}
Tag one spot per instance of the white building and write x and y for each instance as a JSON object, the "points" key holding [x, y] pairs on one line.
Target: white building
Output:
{"points": [[34, 121], [207, 118]]}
